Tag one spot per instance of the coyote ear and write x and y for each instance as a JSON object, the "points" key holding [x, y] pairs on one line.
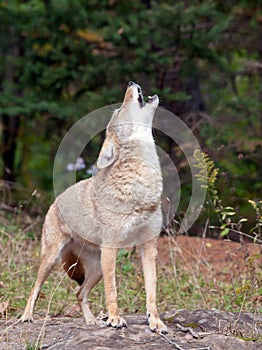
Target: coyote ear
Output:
{"points": [[107, 155]]}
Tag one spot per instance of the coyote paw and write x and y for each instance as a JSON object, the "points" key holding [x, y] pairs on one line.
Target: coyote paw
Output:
{"points": [[26, 318], [156, 325], [116, 322]]}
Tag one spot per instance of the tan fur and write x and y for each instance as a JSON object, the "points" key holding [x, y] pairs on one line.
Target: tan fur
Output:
{"points": [[118, 207]]}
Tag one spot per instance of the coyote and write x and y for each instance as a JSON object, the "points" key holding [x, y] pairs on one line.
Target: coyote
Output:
{"points": [[118, 207]]}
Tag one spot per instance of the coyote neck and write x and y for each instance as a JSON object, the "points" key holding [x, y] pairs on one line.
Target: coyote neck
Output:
{"points": [[134, 182]]}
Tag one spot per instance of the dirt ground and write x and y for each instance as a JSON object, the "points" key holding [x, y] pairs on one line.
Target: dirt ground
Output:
{"points": [[222, 259], [188, 329]]}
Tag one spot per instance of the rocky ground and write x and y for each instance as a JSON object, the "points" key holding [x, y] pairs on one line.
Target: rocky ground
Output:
{"points": [[194, 330], [188, 329]]}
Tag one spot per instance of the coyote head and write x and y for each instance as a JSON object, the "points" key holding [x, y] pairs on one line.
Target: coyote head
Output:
{"points": [[134, 109], [132, 121]]}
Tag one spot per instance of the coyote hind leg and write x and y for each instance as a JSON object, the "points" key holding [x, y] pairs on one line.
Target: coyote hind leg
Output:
{"points": [[49, 258], [93, 274]]}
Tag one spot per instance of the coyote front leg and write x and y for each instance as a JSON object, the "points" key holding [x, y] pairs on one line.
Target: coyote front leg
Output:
{"points": [[149, 254], [108, 262]]}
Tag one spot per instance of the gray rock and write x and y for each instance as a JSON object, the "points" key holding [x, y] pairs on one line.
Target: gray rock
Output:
{"points": [[188, 330]]}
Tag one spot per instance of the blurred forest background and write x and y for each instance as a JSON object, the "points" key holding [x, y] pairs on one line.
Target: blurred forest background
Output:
{"points": [[61, 59]]}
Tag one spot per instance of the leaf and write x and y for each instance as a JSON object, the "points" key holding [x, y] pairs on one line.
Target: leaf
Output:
{"points": [[243, 220], [224, 232], [90, 36], [230, 213], [223, 226], [253, 203]]}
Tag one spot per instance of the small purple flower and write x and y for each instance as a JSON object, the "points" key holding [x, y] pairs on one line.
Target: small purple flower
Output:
{"points": [[70, 167], [92, 170], [78, 165]]}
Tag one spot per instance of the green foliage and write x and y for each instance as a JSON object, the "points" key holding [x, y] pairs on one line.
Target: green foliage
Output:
{"points": [[257, 206], [62, 59], [33, 346], [207, 175]]}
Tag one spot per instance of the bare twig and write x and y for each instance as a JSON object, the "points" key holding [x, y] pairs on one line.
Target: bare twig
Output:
{"points": [[32, 225], [41, 334], [187, 329], [178, 346], [258, 241], [9, 327], [171, 341]]}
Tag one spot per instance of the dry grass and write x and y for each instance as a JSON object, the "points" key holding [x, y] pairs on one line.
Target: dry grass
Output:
{"points": [[181, 284]]}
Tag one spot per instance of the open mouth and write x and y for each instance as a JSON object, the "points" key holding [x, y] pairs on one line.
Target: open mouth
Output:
{"points": [[151, 99], [140, 97]]}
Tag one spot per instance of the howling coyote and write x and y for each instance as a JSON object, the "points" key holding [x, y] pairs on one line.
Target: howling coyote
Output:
{"points": [[118, 207]]}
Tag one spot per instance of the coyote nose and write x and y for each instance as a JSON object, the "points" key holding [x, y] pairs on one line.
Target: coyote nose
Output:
{"points": [[131, 83]]}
